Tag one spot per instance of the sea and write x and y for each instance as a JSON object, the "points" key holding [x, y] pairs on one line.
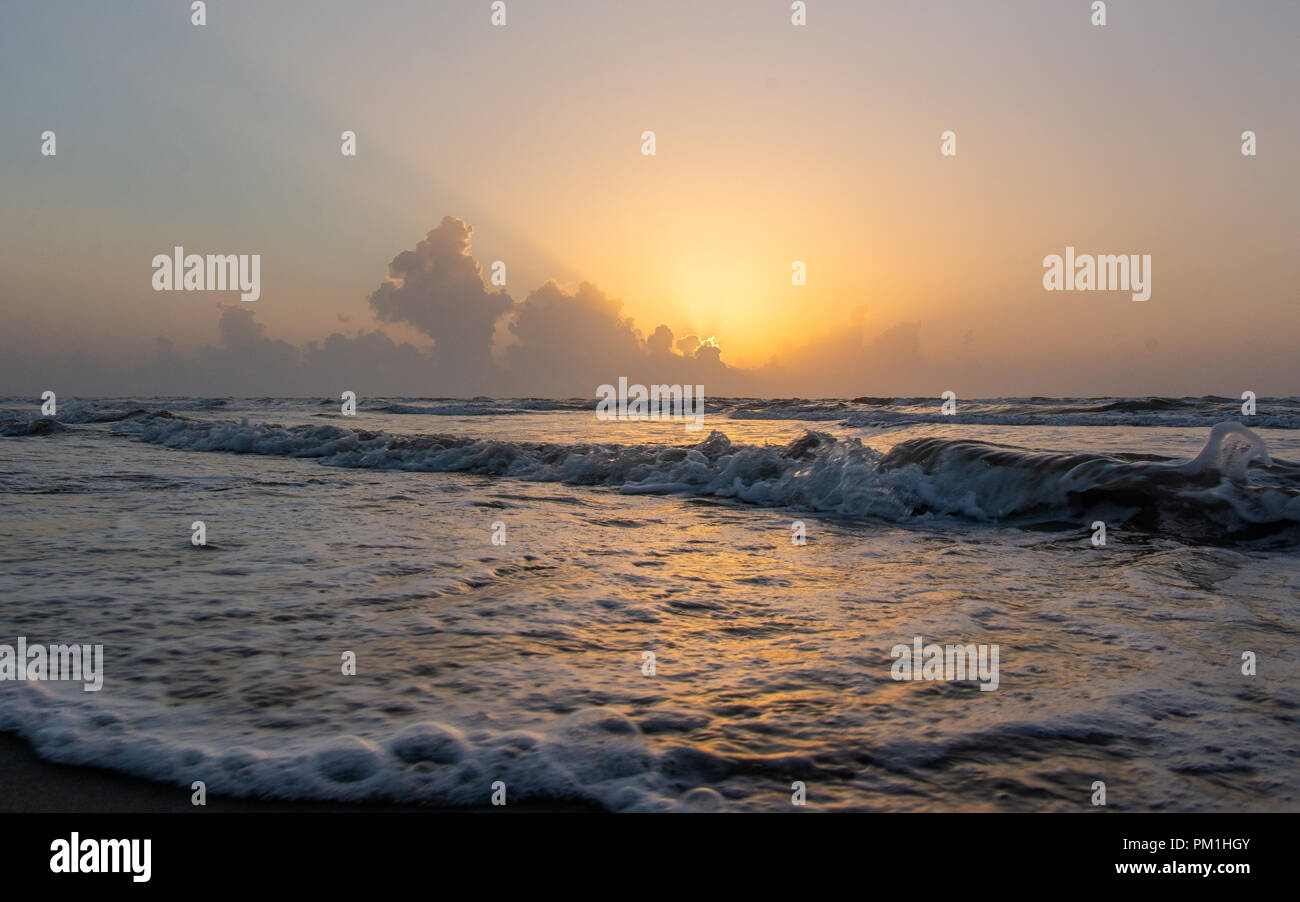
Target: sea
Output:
{"points": [[450, 602]]}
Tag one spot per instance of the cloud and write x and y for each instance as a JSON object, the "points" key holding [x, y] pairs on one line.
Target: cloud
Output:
{"points": [[438, 289], [660, 342], [556, 343], [369, 364], [566, 340], [570, 343], [246, 360]]}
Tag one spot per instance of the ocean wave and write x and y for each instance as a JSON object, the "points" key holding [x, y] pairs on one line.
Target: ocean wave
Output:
{"points": [[480, 409], [596, 756], [893, 419], [1231, 489], [869, 412], [21, 419], [16, 426], [865, 412]]}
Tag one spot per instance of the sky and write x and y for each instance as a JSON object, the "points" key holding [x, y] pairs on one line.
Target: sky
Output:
{"points": [[774, 143]]}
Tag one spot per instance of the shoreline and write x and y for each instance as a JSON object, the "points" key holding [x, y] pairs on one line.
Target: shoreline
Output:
{"points": [[31, 785]]}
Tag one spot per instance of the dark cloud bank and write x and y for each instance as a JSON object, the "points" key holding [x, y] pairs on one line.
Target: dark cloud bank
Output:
{"points": [[553, 343]]}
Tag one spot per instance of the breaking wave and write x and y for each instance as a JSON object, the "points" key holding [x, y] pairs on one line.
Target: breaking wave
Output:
{"points": [[862, 412], [595, 756], [1231, 489]]}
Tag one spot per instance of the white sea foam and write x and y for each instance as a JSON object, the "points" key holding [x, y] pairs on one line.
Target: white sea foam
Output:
{"points": [[596, 755], [817, 473]]}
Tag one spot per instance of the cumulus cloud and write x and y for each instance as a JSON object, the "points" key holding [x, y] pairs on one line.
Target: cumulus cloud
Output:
{"points": [[570, 343], [369, 364], [556, 343], [245, 360], [660, 342], [438, 288]]}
